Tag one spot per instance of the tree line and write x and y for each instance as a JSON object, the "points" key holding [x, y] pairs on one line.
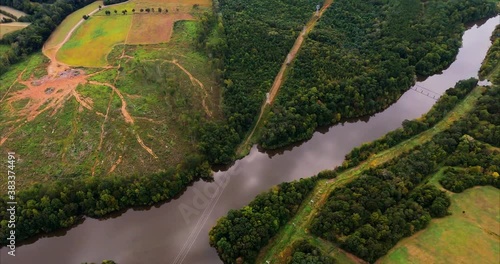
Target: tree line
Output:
{"points": [[492, 58], [111, 2], [239, 236], [451, 98], [51, 206], [361, 56], [147, 10], [304, 252], [9, 17]]}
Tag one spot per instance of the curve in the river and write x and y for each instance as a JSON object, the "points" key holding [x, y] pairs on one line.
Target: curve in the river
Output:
{"points": [[158, 234]]}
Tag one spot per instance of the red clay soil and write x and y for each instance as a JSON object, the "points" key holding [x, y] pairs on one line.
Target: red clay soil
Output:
{"points": [[46, 93]]}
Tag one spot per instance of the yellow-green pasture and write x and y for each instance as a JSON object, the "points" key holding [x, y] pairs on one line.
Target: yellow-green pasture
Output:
{"points": [[94, 39], [469, 235], [69, 23]]}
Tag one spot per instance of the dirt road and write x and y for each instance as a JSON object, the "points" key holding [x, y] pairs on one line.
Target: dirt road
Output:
{"points": [[278, 80]]}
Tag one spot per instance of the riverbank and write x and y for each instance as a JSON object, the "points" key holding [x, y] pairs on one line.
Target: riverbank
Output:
{"points": [[159, 229], [298, 229]]}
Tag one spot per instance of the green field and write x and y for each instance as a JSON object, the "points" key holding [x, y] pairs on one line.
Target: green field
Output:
{"points": [[68, 23], [94, 39], [469, 235]]}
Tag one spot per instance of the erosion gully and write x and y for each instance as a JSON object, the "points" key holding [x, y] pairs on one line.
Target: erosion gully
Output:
{"points": [[177, 231]]}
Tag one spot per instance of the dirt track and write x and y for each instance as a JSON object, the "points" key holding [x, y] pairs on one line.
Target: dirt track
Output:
{"points": [[278, 80], [55, 67], [194, 80], [51, 92]]}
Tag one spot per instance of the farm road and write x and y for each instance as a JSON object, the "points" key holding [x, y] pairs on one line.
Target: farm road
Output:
{"points": [[278, 80]]}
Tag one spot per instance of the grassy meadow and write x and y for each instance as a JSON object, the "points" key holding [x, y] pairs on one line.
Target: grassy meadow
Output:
{"points": [[68, 23], [97, 36], [469, 235], [94, 39]]}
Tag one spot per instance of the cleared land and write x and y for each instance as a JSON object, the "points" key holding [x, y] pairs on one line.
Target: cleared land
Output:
{"points": [[470, 235], [184, 6], [102, 32], [11, 27], [279, 248], [13, 11], [154, 29], [105, 121]]}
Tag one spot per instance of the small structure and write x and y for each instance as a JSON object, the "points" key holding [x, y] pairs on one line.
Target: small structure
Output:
{"points": [[288, 58]]}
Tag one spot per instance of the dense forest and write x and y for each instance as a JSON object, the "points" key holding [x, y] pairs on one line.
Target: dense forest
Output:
{"points": [[492, 59], [110, 2], [410, 128], [44, 16], [258, 35], [370, 214], [48, 207], [305, 253], [362, 56], [239, 236]]}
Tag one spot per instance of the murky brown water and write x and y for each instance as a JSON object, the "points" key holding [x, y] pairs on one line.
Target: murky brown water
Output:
{"points": [[177, 232]]}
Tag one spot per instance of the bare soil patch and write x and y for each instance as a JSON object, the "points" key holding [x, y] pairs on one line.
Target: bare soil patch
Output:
{"points": [[6, 28], [154, 28]]}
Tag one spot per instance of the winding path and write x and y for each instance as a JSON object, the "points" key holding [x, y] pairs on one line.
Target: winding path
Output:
{"points": [[55, 66]]}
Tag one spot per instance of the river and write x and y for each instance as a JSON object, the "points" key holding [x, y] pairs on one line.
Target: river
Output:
{"points": [[177, 231]]}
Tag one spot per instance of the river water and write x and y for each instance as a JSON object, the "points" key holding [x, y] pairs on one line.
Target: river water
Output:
{"points": [[177, 231]]}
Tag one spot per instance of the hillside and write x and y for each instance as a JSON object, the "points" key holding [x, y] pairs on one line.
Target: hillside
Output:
{"points": [[120, 129]]}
